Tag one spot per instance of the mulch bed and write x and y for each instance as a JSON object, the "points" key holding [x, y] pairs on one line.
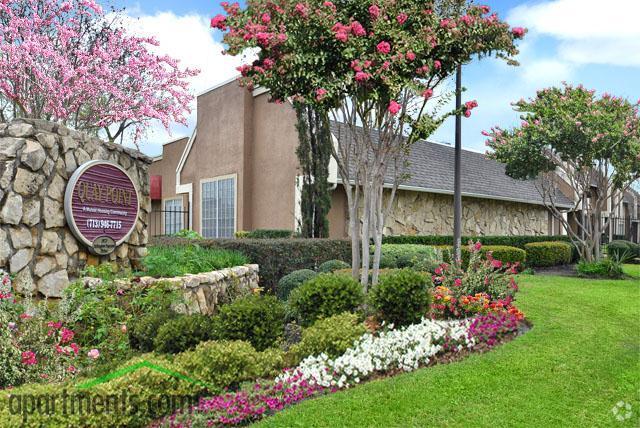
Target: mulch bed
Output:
{"points": [[562, 270]]}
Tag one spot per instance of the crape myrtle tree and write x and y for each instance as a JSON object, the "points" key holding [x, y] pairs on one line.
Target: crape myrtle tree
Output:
{"points": [[68, 61], [372, 65], [570, 135]]}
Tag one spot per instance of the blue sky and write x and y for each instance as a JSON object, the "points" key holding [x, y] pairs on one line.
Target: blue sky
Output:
{"points": [[578, 41]]}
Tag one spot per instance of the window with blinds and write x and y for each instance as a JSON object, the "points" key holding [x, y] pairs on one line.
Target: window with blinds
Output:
{"points": [[173, 216], [218, 202]]}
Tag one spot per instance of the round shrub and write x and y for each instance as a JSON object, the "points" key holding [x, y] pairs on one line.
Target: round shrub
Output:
{"points": [[324, 296], [292, 281], [256, 319], [331, 336], [408, 255], [332, 266], [183, 333], [548, 253], [223, 364], [623, 251], [143, 331], [401, 297]]}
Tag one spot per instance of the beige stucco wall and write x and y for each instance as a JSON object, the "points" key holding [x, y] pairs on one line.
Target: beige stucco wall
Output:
{"points": [[417, 213], [274, 165]]}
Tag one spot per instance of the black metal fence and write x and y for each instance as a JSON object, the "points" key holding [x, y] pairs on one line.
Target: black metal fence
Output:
{"points": [[168, 222], [621, 228]]}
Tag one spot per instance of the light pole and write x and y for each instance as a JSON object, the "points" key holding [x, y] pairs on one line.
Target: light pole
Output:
{"points": [[457, 188]]}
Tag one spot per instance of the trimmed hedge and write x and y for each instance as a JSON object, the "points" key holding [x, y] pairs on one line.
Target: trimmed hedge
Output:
{"points": [[269, 234], [401, 297], [503, 253], [540, 254], [291, 281], [277, 257], [511, 241]]}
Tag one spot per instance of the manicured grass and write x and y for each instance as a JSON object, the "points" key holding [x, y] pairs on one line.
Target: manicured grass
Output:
{"points": [[632, 270], [581, 358], [168, 261]]}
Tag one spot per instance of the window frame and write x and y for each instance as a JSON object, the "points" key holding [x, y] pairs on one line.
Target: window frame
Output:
{"points": [[235, 200], [164, 211]]}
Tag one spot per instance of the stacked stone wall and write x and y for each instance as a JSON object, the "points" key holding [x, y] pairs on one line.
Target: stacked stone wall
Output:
{"points": [[37, 158]]}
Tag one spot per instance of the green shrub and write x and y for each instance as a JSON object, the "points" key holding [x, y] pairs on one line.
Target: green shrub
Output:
{"points": [[277, 257], [169, 261], [324, 296], [226, 364], [623, 251], [332, 266], [292, 281], [188, 234], [401, 297], [548, 253], [503, 253], [255, 319], [143, 330], [409, 255], [331, 336], [607, 268], [183, 333], [270, 234]]}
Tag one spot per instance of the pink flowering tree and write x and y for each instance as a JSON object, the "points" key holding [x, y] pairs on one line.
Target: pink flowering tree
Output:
{"points": [[374, 66], [587, 145], [69, 62]]}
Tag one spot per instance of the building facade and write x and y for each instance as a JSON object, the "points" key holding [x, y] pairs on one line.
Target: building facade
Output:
{"points": [[238, 171]]}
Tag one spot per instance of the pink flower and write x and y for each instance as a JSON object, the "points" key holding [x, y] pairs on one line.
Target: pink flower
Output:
{"points": [[437, 64], [411, 56], [427, 93], [496, 264], [394, 108], [374, 11], [477, 246], [362, 76], [342, 36], [402, 18], [71, 369], [320, 94], [467, 113], [218, 22], [518, 32], [357, 29], [438, 271], [66, 335], [329, 5], [301, 10], [29, 358], [266, 18], [384, 47], [123, 328], [93, 354], [457, 282], [120, 292], [75, 348]]}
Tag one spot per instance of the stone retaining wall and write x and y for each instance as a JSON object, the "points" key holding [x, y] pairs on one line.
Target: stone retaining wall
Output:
{"points": [[203, 292], [37, 158]]}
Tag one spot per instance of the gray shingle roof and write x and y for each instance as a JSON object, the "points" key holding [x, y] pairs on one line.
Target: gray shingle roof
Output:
{"points": [[431, 168]]}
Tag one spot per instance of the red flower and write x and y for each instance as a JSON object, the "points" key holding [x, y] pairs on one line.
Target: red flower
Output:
{"points": [[394, 108], [402, 18], [518, 32], [218, 22], [29, 358], [428, 93]]}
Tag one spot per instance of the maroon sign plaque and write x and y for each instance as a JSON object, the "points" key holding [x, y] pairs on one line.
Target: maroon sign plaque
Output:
{"points": [[101, 205]]}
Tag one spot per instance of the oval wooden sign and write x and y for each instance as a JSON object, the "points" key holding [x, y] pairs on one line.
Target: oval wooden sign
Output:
{"points": [[101, 204]]}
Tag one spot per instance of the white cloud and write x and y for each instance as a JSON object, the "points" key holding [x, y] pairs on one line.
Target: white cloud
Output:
{"points": [[589, 31], [544, 72], [189, 39]]}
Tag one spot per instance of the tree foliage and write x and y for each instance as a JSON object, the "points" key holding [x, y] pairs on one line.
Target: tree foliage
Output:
{"points": [[570, 135], [372, 65], [70, 62]]}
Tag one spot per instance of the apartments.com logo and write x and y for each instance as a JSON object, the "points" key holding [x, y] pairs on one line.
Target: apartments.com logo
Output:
{"points": [[82, 401]]}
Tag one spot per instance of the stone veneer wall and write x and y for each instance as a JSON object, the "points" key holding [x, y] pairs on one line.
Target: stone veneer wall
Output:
{"points": [[203, 292], [419, 213], [36, 160]]}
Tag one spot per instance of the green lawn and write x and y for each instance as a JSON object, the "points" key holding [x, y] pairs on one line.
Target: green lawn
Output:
{"points": [[581, 358]]}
